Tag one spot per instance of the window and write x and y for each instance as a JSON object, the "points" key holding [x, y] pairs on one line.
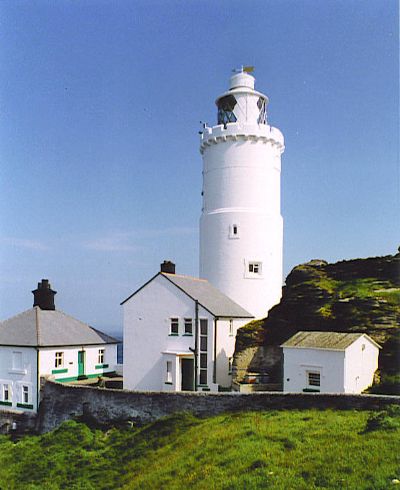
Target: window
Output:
{"points": [[25, 394], [234, 231], [203, 351], [6, 393], [225, 110], [174, 326], [168, 376], [17, 360], [188, 326], [262, 106], [255, 267], [314, 378], [100, 359], [59, 359], [231, 327]]}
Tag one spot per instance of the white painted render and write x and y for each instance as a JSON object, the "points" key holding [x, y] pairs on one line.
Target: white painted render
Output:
{"points": [[361, 362], [69, 368], [148, 345], [241, 188], [341, 371], [28, 374], [17, 376]]}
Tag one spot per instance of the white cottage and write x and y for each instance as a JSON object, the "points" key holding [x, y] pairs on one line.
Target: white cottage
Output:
{"points": [[329, 362], [176, 326], [44, 341]]}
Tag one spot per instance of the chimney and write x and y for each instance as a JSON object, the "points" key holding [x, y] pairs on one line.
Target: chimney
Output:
{"points": [[168, 267], [44, 296]]}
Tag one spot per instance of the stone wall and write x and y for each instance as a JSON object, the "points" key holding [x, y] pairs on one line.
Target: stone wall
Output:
{"points": [[108, 407], [24, 422]]}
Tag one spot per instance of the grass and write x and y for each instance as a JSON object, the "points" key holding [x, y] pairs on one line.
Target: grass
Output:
{"points": [[306, 449]]}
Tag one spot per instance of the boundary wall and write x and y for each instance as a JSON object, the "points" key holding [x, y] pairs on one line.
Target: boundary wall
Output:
{"points": [[113, 407]]}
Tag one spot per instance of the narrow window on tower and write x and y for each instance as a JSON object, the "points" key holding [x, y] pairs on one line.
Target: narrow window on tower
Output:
{"points": [[234, 231]]}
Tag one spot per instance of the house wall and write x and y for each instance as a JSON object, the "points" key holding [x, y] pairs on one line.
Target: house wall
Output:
{"points": [[69, 369], [226, 349], [298, 361], [18, 376], [360, 365], [147, 319]]}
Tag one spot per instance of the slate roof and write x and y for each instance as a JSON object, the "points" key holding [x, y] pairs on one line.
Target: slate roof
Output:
{"points": [[207, 295], [45, 328], [324, 340]]}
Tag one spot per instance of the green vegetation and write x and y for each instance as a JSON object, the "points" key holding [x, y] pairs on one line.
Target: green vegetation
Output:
{"points": [[306, 449]]}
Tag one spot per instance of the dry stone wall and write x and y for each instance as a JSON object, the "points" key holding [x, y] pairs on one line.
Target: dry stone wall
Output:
{"points": [[114, 407]]}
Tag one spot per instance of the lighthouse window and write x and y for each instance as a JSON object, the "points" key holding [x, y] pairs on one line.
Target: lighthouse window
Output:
{"points": [[225, 110], [261, 104], [254, 268], [234, 231]]}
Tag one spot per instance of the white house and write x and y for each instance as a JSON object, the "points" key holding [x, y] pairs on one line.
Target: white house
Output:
{"points": [[179, 334], [44, 341], [329, 362]]}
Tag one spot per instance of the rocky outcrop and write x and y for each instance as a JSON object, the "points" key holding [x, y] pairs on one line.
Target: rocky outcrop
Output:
{"points": [[361, 295]]}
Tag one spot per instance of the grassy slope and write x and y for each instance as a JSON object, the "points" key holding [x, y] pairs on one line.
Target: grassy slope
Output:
{"points": [[276, 449]]}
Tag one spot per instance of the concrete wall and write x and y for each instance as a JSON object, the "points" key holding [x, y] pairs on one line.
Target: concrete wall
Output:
{"points": [[61, 402]]}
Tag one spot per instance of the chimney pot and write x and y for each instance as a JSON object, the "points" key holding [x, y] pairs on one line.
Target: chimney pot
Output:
{"points": [[168, 267]]}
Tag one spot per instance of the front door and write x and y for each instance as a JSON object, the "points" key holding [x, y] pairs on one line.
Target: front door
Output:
{"points": [[187, 366], [81, 363]]}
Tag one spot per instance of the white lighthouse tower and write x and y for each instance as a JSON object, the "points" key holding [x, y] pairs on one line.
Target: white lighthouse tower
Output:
{"points": [[241, 227]]}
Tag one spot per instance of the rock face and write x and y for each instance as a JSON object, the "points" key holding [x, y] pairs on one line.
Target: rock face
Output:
{"points": [[361, 295]]}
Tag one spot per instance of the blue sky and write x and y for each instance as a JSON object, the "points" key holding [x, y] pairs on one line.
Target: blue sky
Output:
{"points": [[101, 105]]}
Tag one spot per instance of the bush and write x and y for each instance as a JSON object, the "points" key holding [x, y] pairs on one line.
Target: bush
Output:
{"points": [[388, 419]]}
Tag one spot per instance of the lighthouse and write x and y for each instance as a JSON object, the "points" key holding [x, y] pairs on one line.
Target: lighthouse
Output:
{"points": [[241, 227]]}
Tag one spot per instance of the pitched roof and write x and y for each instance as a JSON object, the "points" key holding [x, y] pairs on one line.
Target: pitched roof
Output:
{"points": [[41, 328], [207, 295], [324, 340]]}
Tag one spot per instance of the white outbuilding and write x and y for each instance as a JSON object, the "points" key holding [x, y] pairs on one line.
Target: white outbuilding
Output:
{"points": [[179, 334], [329, 362], [44, 341]]}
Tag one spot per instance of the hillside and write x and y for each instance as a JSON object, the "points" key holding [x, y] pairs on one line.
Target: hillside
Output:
{"points": [[361, 295], [308, 450]]}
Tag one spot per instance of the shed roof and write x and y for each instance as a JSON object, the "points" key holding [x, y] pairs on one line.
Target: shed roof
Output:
{"points": [[325, 340], [44, 328], [217, 303]]}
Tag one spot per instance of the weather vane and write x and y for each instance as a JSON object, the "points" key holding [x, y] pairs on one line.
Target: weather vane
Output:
{"points": [[246, 69]]}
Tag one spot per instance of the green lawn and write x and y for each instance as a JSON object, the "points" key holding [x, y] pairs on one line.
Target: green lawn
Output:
{"points": [[305, 449]]}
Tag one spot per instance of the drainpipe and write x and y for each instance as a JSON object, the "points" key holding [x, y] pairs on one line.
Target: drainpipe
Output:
{"points": [[37, 379], [215, 351], [196, 342]]}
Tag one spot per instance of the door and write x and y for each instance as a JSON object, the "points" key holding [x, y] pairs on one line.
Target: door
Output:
{"points": [[81, 363], [187, 367]]}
